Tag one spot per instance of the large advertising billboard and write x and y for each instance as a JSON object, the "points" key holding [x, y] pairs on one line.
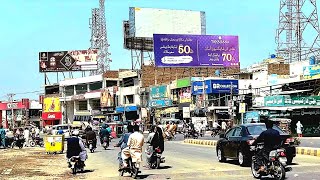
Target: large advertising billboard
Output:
{"points": [[144, 22], [176, 50], [60, 61], [51, 108]]}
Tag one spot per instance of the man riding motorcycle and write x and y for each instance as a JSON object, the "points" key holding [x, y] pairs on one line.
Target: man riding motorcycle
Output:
{"points": [[104, 133], [271, 140], [134, 149], [75, 147], [91, 136], [124, 141]]}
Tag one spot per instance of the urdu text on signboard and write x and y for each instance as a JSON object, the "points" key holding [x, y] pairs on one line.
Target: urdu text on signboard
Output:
{"points": [[60, 61], [175, 50]]}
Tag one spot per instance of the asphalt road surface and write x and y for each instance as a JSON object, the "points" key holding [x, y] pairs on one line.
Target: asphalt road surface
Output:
{"points": [[184, 161]]}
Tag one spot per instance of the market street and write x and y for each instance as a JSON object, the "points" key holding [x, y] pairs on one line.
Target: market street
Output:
{"points": [[198, 162]]}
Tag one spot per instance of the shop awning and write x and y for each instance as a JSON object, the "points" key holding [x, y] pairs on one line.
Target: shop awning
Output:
{"points": [[211, 108], [294, 92]]}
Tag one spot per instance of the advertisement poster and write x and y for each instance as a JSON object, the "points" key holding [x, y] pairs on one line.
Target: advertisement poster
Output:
{"points": [[175, 50], [60, 61], [157, 92], [51, 108], [106, 99], [222, 86]]}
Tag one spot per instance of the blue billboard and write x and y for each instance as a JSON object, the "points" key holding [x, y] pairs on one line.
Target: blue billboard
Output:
{"points": [[158, 92], [160, 103], [216, 86]]}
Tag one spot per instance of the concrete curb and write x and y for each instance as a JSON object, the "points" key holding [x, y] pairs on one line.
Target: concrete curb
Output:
{"points": [[308, 151], [300, 150], [201, 142]]}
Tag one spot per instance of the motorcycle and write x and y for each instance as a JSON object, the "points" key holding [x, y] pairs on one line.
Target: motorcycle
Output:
{"points": [[76, 164], [169, 136], [90, 145], [132, 169], [105, 143], [191, 134], [215, 132], [276, 165], [36, 141], [18, 141], [155, 158]]}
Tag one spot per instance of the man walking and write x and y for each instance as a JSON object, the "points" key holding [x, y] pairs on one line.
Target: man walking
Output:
{"points": [[2, 137], [26, 134], [299, 128]]}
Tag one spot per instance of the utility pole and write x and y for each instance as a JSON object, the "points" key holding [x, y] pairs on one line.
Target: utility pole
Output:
{"points": [[10, 98], [231, 97]]}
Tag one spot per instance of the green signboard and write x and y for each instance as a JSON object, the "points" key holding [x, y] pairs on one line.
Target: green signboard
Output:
{"points": [[286, 100], [185, 82]]}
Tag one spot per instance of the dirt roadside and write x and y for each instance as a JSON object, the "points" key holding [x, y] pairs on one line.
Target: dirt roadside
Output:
{"points": [[34, 163]]}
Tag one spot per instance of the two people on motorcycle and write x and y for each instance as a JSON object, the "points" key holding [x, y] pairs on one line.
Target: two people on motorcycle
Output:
{"points": [[91, 136], [271, 140], [134, 148], [105, 133], [170, 129], [155, 142], [123, 142], [75, 147]]}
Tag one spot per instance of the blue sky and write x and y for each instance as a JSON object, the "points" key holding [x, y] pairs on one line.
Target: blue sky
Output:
{"points": [[30, 26]]}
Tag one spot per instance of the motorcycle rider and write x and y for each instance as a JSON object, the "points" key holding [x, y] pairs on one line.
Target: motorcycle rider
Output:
{"points": [[134, 149], [271, 140], [91, 136], [123, 141], [154, 140], [75, 147], [104, 133]]}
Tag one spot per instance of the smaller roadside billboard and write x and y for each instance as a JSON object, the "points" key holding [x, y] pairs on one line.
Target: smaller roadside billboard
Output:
{"points": [[51, 108], [60, 61]]}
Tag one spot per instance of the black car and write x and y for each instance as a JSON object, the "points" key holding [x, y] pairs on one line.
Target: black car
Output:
{"points": [[237, 142]]}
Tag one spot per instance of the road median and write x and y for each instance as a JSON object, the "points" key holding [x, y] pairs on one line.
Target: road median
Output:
{"points": [[300, 150]]}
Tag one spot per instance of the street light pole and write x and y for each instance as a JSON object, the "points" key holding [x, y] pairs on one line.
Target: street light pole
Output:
{"points": [[10, 96]]}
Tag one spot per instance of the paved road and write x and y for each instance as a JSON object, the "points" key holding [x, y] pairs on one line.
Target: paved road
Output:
{"points": [[193, 162], [305, 141]]}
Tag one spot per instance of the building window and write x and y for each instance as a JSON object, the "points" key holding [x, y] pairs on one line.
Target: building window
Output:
{"points": [[95, 104], [111, 83], [95, 86], [83, 105], [128, 99], [69, 90], [81, 89]]}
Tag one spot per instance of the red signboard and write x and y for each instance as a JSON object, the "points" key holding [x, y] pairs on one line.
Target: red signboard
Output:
{"points": [[51, 115], [14, 105]]}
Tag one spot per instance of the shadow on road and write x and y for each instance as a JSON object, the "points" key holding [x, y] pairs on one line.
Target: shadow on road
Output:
{"points": [[294, 164], [143, 176], [85, 171], [165, 167]]}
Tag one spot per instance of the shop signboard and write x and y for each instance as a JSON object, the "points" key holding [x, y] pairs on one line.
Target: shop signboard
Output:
{"points": [[185, 82], [186, 112], [160, 103], [60, 61], [197, 87], [158, 92], [185, 97], [286, 100], [13, 105], [126, 108], [216, 86], [51, 108], [250, 116], [177, 50]]}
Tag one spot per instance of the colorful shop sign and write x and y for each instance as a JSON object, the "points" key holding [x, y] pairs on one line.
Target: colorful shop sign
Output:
{"points": [[185, 82], [292, 101], [158, 92]]}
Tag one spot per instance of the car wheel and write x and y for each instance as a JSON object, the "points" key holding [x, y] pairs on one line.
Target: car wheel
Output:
{"points": [[220, 155], [241, 159]]}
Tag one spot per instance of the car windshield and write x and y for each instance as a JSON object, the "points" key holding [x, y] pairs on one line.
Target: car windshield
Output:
{"points": [[258, 129]]}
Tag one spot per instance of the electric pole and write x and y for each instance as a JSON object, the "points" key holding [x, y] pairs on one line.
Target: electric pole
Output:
{"points": [[10, 99]]}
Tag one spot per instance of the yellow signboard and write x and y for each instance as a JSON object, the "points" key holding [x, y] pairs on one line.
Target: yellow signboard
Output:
{"points": [[51, 104]]}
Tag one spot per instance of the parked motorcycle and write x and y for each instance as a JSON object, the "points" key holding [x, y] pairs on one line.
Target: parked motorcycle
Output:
{"points": [[132, 169], [76, 164], [276, 165], [91, 148], [156, 158], [18, 141], [36, 141]]}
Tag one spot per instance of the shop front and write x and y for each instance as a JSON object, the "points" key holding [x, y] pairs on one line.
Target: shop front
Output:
{"points": [[129, 113], [51, 112], [20, 112], [156, 105], [305, 109]]}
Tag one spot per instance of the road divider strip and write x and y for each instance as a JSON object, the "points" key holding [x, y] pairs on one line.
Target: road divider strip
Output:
{"points": [[300, 150], [308, 151], [201, 142]]}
